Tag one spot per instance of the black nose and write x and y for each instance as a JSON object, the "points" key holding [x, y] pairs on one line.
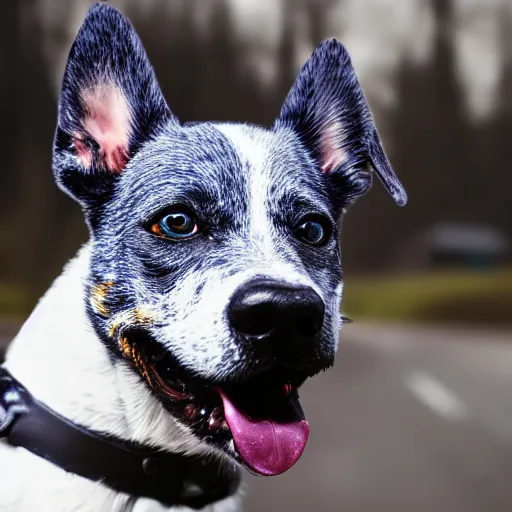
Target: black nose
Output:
{"points": [[264, 308]]}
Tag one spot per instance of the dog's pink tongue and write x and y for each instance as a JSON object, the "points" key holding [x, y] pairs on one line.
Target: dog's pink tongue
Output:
{"points": [[273, 443]]}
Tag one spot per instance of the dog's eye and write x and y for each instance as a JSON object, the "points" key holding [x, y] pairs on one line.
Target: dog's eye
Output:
{"points": [[177, 225], [313, 231]]}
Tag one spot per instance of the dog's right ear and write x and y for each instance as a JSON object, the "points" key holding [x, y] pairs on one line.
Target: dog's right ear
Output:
{"points": [[110, 105], [327, 109]]}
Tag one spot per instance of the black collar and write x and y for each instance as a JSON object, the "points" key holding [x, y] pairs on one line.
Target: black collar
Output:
{"points": [[172, 479]]}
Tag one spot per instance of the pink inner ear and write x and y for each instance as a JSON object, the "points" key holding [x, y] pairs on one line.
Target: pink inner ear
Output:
{"points": [[332, 154], [82, 151], [108, 122]]}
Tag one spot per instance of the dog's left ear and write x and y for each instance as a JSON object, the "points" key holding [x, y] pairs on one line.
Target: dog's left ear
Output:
{"points": [[327, 109], [110, 105]]}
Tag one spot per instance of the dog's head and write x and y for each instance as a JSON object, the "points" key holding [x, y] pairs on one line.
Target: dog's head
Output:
{"points": [[215, 265]]}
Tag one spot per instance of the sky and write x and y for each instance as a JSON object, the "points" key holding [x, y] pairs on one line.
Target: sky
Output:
{"points": [[379, 34]]}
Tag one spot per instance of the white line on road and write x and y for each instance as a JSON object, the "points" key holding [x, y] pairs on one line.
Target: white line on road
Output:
{"points": [[434, 394]]}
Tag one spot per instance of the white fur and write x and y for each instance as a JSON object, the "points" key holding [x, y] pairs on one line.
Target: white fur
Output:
{"points": [[255, 147], [60, 360], [337, 324]]}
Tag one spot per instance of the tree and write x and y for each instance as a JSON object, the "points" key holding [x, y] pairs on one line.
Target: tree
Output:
{"points": [[430, 151], [37, 209], [492, 149]]}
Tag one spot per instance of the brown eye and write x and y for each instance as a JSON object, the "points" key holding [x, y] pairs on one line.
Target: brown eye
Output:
{"points": [[177, 226]]}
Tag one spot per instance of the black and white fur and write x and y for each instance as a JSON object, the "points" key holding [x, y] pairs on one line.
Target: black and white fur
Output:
{"points": [[122, 154]]}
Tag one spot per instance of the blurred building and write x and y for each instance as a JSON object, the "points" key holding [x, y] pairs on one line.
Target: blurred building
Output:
{"points": [[463, 246]]}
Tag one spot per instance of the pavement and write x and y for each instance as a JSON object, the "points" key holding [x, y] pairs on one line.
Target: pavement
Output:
{"points": [[411, 419]]}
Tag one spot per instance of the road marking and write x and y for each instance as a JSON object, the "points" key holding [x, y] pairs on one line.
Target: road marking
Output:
{"points": [[436, 396]]}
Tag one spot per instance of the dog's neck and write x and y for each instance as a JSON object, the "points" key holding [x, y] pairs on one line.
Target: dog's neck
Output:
{"points": [[62, 362]]}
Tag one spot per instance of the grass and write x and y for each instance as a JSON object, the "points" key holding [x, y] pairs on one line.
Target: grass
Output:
{"points": [[14, 300], [448, 296]]}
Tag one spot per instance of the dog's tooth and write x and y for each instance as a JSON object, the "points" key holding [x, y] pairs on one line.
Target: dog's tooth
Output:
{"points": [[215, 421]]}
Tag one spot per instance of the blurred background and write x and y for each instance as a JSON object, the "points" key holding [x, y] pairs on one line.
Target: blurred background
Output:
{"points": [[417, 414]]}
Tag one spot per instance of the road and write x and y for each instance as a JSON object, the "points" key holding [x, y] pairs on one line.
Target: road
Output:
{"points": [[410, 420]]}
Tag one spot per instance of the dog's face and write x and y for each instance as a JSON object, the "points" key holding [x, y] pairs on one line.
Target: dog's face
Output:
{"points": [[216, 266]]}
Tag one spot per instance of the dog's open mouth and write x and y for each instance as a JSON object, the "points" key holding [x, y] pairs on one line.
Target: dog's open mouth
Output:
{"points": [[262, 416]]}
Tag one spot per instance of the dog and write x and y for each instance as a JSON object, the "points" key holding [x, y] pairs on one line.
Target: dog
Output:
{"points": [[210, 288]]}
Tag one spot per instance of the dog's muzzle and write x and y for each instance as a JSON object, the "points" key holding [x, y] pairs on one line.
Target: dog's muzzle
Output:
{"points": [[280, 330], [279, 318]]}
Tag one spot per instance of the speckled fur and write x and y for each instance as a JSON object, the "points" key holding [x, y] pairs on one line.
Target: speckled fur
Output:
{"points": [[122, 154]]}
